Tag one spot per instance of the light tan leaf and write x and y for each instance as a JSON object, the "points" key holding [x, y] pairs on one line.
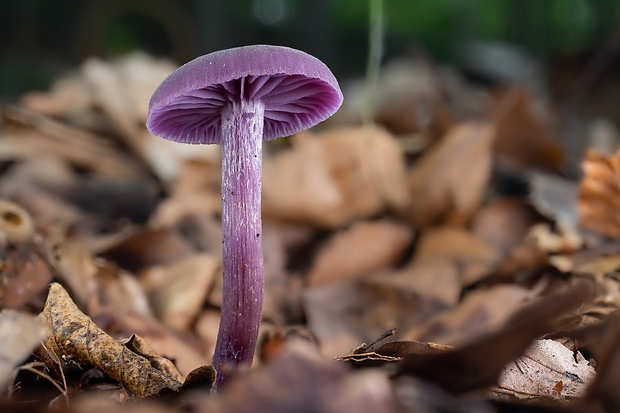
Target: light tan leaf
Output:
{"points": [[447, 184], [432, 279], [547, 369], [334, 177], [20, 334], [177, 291], [474, 257], [362, 249]]}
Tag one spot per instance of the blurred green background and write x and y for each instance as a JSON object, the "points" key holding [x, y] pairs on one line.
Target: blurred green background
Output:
{"points": [[40, 39]]}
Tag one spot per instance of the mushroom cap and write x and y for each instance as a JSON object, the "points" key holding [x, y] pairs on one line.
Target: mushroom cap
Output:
{"points": [[297, 89]]}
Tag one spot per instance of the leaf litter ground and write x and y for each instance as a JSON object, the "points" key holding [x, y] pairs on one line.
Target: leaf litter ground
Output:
{"points": [[440, 263]]}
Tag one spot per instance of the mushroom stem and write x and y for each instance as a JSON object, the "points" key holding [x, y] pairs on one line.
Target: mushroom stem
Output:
{"points": [[242, 255]]}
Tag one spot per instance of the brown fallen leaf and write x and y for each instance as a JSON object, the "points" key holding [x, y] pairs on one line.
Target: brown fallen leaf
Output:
{"points": [[74, 336], [604, 339], [115, 291], [177, 291], [362, 249], [524, 134], [141, 347], [555, 197], [343, 315], [431, 279], [20, 334], [390, 352], [505, 223], [24, 273], [121, 95], [546, 369], [187, 351], [599, 194], [27, 133], [473, 257], [447, 183], [148, 247], [334, 177], [481, 310], [300, 380], [479, 363]]}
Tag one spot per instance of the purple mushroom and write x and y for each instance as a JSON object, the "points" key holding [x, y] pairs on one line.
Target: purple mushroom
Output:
{"points": [[238, 98]]}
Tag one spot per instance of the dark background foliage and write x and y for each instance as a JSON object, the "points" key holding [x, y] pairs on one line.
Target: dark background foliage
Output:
{"points": [[41, 38]]}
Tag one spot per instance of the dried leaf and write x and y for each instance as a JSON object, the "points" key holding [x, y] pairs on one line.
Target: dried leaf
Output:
{"points": [[139, 346], [300, 380], [30, 134], [547, 369], [599, 194], [505, 223], [334, 177], [24, 276], [524, 135], [481, 310], [391, 352], [114, 88], [555, 197], [604, 338], [74, 336], [473, 257], [148, 247], [479, 363], [177, 291], [115, 291], [20, 334], [186, 350], [16, 225], [447, 183], [362, 249], [343, 315]]}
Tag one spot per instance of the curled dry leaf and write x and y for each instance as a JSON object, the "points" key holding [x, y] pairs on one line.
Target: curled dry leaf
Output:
{"points": [[599, 194], [20, 334], [447, 183], [362, 249], [390, 352], [74, 336], [16, 225], [140, 346], [186, 350], [484, 357], [547, 369], [335, 177]]}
